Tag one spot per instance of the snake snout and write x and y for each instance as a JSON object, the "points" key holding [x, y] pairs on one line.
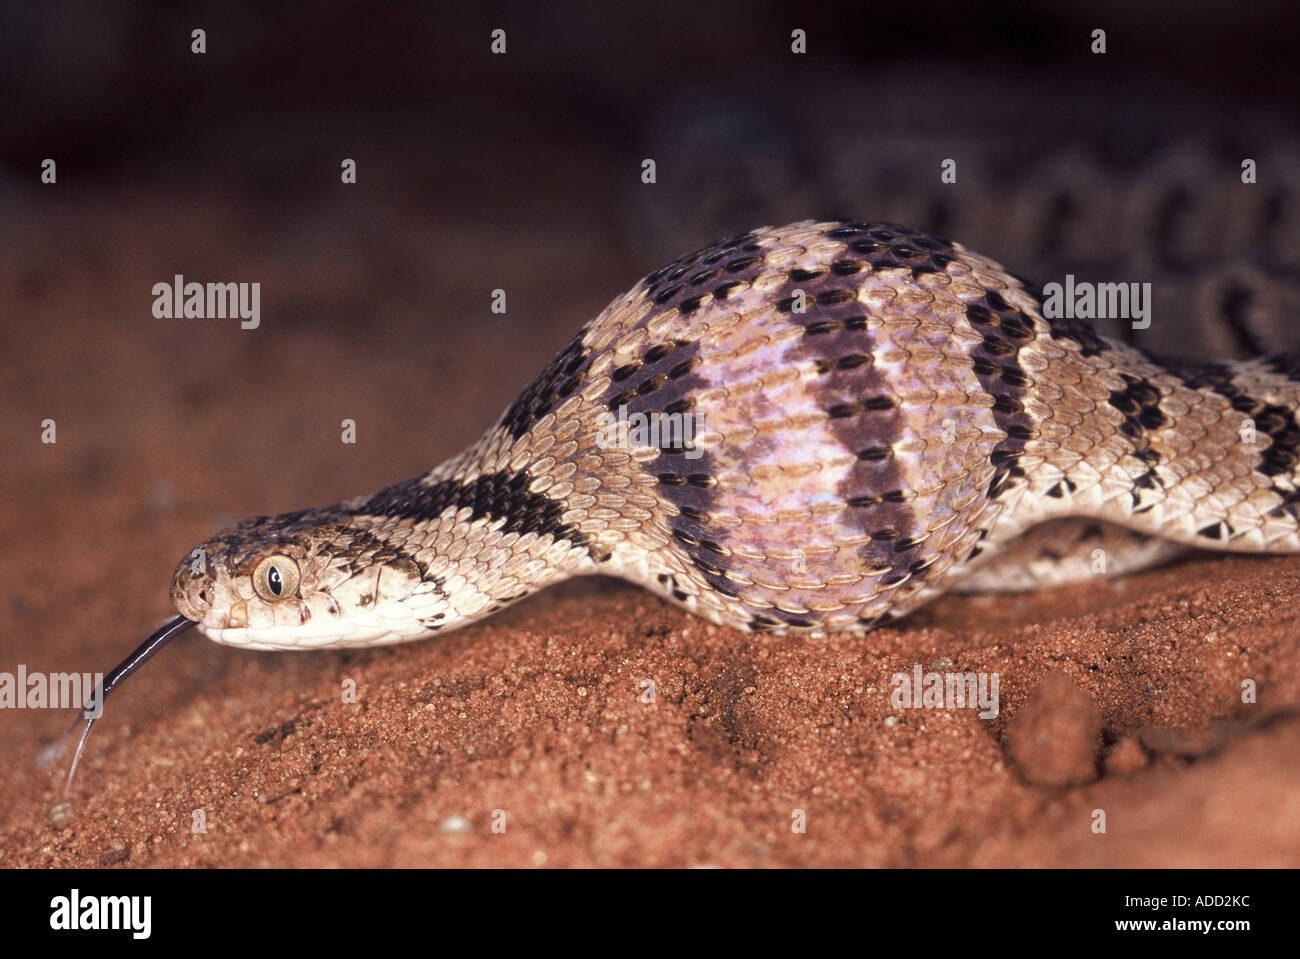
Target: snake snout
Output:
{"points": [[192, 591], [191, 605]]}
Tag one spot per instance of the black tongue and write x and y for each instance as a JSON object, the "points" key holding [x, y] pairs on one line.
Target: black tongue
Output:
{"points": [[93, 709]]}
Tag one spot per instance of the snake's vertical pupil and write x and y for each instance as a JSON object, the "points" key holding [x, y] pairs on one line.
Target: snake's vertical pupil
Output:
{"points": [[273, 580]]}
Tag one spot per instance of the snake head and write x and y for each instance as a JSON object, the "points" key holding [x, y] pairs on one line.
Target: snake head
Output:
{"points": [[315, 578]]}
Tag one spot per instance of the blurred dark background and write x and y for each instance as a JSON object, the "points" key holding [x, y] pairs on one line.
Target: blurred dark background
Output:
{"points": [[523, 172], [1068, 161]]}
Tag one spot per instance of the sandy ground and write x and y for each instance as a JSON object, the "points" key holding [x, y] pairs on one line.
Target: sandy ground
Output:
{"points": [[528, 740]]}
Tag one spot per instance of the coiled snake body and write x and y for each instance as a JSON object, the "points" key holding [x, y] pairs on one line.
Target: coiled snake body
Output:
{"points": [[877, 415]]}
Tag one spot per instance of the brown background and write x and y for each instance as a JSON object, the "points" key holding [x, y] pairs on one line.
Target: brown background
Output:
{"points": [[522, 173]]}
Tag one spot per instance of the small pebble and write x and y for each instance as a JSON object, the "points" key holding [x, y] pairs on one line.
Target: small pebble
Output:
{"points": [[118, 852], [1054, 739], [61, 816], [1125, 757]]}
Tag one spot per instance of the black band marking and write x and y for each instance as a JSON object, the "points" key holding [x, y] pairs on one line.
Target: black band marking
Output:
{"points": [[1282, 457], [489, 497], [557, 382]]}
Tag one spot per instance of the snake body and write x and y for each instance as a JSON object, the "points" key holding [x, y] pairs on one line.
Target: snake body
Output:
{"points": [[878, 415]]}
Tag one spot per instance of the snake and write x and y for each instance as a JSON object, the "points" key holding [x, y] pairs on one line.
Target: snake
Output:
{"points": [[808, 429]]}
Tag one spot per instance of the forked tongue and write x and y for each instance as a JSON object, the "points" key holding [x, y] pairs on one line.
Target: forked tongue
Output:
{"points": [[95, 706]]}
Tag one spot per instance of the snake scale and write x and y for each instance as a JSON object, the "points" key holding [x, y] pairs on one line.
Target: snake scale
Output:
{"points": [[879, 415]]}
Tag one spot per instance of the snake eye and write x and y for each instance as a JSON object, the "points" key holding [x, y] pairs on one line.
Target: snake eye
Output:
{"points": [[275, 578]]}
